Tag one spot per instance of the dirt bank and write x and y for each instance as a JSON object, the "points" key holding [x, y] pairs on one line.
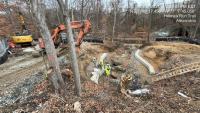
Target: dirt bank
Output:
{"points": [[167, 55]]}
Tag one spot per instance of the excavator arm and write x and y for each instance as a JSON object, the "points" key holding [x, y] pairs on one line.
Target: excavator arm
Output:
{"points": [[83, 26], [22, 36], [83, 31], [22, 22]]}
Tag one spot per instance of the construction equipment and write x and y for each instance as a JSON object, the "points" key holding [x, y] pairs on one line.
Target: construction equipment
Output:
{"points": [[24, 36], [3, 50], [84, 27]]}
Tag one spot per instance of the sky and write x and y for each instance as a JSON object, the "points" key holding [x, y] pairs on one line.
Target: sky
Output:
{"points": [[146, 3], [143, 3]]}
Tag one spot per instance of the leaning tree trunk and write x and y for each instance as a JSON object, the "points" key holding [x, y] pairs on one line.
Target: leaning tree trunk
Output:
{"points": [[39, 12], [72, 47]]}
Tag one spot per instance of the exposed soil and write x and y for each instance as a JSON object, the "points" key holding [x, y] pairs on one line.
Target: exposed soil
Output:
{"points": [[167, 55], [105, 96], [17, 69]]}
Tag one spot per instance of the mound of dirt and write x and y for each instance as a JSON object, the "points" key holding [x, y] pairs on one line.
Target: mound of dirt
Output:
{"points": [[174, 61], [166, 55]]}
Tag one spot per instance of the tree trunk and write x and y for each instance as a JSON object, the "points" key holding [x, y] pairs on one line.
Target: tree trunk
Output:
{"points": [[197, 18], [82, 2], [97, 24], [128, 10], [150, 24], [72, 47], [115, 18], [66, 4], [8, 10], [58, 16], [150, 19], [72, 14], [39, 12]]}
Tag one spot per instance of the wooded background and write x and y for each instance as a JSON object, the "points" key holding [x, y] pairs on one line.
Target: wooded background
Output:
{"points": [[110, 18]]}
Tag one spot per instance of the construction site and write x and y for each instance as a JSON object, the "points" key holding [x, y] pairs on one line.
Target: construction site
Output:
{"points": [[99, 56]]}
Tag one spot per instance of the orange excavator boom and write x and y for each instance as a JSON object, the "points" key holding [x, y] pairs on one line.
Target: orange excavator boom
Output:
{"points": [[83, 26]]}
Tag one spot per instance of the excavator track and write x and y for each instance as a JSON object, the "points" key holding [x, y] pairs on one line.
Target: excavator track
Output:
{"points": [[176, 71]]}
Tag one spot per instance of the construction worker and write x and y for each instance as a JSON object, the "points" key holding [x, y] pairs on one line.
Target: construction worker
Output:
{"points": [[107, 69], [101, 68]]}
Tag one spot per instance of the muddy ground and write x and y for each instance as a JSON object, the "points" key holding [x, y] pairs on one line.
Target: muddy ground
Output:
{"points": [[105, 96]]}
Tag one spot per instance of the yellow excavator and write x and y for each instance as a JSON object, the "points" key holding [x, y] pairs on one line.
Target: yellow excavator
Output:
{"points": [[24, 36]]}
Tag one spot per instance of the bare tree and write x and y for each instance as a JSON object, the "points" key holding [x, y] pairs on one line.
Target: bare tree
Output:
{"points": [[150, 19], [83, 4], [39, 12], [72, 47], [66, 4], [115, 4], [8, 10], [197, 19], [98, 9]]}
